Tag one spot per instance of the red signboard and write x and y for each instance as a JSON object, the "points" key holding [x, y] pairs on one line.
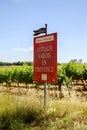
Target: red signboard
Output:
{"points": [[45, 58]]}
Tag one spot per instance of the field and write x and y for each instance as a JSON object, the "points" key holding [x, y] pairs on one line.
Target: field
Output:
{"points": [[23, 109], [22, 101]]}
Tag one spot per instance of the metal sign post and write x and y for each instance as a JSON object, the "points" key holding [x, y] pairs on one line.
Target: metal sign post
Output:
{"points": [[45, 88], [45, 84]]}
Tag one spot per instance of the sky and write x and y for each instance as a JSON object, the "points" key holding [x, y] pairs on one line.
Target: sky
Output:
{"points": [[18, 19]]}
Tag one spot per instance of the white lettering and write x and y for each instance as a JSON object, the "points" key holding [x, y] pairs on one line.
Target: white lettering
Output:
{"points": [[44, 55], [45, 48], [44, 62], [44, 69]]}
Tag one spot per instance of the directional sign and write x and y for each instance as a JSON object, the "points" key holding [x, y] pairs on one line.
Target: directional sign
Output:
{"points": [[45, 58]]}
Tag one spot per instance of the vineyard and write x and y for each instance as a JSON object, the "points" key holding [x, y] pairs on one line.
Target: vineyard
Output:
{"points": [[24, 110], [73, 75], [69, 74], [16, 74]]}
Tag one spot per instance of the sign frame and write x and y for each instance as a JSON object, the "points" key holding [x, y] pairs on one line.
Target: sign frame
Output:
{"points": [[45, 58]]}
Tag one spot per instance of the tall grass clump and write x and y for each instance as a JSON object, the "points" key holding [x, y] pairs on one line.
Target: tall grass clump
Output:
{"points": [[67, 115], [17, 112]]}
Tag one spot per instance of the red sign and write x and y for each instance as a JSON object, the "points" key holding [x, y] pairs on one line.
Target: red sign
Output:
{"points": [[45, 58]]}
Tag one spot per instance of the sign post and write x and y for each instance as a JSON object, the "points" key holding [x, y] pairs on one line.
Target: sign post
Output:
{"points": [[45, 59], [45, 88], [45, 83]]}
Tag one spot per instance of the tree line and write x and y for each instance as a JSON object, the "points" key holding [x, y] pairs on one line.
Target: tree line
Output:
{"points": [[18, 63]]}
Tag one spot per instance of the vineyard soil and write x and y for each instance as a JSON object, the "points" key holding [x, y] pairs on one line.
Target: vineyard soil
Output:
{"points": [[52, 91]]}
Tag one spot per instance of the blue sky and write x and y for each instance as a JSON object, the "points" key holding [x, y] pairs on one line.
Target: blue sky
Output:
{"points": [[18, 19]]}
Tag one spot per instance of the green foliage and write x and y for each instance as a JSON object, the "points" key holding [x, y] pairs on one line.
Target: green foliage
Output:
{"points": [[85, 71], [60, 75], [20, 74], [24, 74], [75, 70]]}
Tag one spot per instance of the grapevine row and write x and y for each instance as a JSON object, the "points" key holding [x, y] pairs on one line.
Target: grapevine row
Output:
{"points": [[14, 74], [24, 74]]}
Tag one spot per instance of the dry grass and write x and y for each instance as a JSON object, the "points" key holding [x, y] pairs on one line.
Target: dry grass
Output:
{"points": [[26, 112]]}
